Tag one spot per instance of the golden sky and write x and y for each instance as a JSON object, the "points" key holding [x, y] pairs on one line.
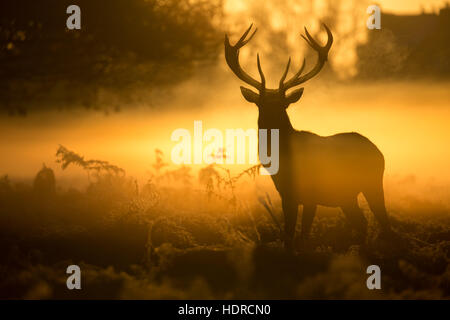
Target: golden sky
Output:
{"points": [[397, 6]]}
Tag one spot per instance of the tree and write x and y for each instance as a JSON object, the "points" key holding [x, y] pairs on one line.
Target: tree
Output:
{"points": [[120, 44]]}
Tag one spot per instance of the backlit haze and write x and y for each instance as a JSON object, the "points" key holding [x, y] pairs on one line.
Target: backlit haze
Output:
{"points": [[408, 121]]}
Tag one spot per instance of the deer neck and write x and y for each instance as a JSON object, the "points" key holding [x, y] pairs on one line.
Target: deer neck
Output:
{"points": [[280, 122], [285, 130]]}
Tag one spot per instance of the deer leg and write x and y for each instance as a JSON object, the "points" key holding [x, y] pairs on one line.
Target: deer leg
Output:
{"points": [[356, 218], [290, 209], [308, 214], [375, 198]]}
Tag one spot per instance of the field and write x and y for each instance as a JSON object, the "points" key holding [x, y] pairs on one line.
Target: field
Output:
{"points": [[203, 235]]}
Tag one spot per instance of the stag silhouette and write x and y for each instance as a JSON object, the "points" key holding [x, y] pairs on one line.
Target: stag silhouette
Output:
{"points": [[313, 170]]}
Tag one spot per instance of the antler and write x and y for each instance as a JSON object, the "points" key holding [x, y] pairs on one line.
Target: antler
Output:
{"points": [[232, 58], [323, 57]]}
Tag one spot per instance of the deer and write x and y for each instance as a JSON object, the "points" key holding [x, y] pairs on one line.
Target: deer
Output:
{"points": [[313, 170]]}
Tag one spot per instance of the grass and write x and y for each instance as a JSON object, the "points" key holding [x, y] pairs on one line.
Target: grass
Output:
{"points": [[185, 237]]}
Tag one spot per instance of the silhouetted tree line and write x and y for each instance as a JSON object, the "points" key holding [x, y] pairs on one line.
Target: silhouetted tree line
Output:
{"points": [[121, 43], [408, 47]]}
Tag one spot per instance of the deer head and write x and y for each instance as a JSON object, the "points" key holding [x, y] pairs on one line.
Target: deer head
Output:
{"points": [[272, 103]]}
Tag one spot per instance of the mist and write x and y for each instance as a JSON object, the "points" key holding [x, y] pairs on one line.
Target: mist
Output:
{"points": [[407, 121]]}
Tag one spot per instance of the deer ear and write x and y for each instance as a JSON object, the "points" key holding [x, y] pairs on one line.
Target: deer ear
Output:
{"points": [[294, 96], [249, 95]]}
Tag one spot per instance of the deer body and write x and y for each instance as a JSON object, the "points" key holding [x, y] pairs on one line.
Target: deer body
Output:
{"points": [[314, 170], [326, 170]]}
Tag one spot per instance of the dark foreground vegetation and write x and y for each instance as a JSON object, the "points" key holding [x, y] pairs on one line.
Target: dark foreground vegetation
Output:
{"points": [[182, 236]]}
